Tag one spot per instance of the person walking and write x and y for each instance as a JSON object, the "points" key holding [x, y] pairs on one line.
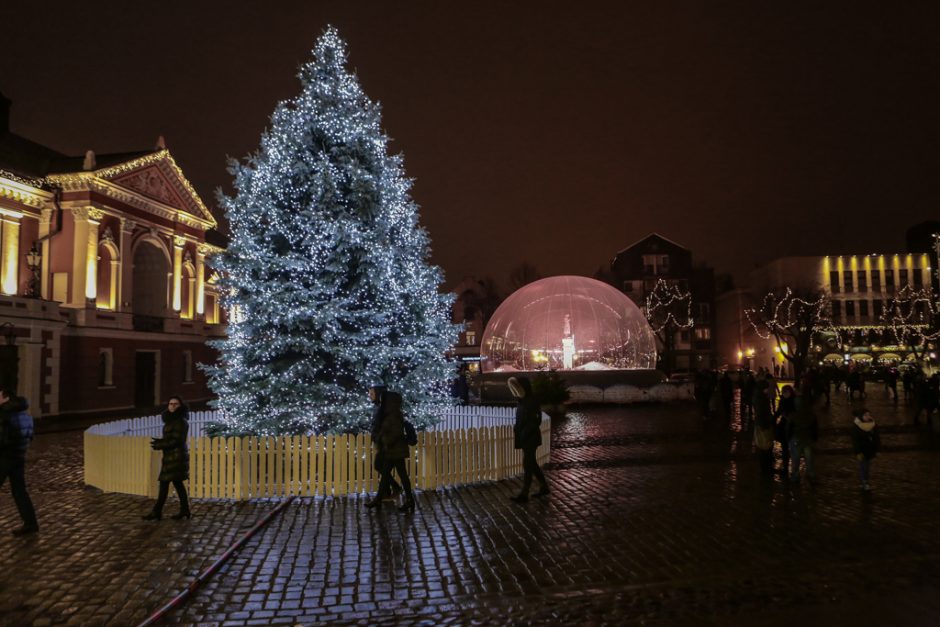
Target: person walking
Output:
{"points": [[527, 435], [866, 442], [391, 445], [376, 393], [175, 465], [726, 388], [16, 432], [747, 395], [802, 434], [785, 410], [764, 427]]}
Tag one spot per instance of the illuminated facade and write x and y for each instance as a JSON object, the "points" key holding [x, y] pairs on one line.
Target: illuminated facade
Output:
{"points": [[567, 323], [105, 299], [858, 287]]}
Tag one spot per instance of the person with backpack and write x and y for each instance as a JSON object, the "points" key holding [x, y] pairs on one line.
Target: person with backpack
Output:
{"points": [[527, 434], [391, 443], [865, 442], [16, 432]]}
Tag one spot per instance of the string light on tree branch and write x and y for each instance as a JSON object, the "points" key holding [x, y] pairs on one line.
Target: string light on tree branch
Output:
{"points": [[327, 271]]}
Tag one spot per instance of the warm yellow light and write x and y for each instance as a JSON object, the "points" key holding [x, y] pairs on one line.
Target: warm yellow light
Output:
{"points": [[11, 253]]}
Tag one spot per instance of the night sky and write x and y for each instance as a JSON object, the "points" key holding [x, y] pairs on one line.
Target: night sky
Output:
{"points": [[552, 133]]}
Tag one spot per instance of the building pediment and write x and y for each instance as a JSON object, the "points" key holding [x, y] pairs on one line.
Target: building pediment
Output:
{"points": [[152, 182]]}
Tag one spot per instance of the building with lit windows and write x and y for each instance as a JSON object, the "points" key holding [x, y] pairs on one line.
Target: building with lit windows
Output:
{"points": [[858, 287], [635, 271], [105, 299]]}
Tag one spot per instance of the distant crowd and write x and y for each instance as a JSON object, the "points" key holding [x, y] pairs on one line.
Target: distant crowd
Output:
{"points": [[786, 415]]}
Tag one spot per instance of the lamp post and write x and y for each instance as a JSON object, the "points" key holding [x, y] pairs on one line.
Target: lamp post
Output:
{"points": [[34, 263]]}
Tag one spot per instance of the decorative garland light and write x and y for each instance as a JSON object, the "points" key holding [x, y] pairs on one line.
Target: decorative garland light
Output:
{"points": [[664, 308]]}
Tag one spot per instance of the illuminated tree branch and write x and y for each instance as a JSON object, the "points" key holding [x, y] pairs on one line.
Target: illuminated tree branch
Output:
{"points": [[793, 321], [668, 310], [910, 317]]}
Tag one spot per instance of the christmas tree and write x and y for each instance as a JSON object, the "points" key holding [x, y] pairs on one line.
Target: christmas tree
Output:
{"points": [[326, 276]]}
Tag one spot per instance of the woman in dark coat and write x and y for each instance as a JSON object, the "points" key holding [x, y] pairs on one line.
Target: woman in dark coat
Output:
{"points": [[175, 466], [527, 436], [390, 443]]}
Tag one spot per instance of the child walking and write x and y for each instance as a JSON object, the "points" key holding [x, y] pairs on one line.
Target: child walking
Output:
{"points": [[865, 442]]}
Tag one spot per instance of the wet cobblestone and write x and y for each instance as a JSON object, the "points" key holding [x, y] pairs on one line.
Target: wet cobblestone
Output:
{"points": [[656, 518]]}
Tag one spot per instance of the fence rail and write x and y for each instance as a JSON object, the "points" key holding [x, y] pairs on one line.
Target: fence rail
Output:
{"points": [[471, 444]]}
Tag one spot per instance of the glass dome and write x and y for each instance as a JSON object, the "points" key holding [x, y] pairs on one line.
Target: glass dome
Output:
{"points": [[567, 323]]}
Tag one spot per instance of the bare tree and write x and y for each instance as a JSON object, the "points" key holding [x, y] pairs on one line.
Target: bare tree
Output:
{"points": [[793, 320], [523, 274], [910, 319], [484, 297], [668, 310]]}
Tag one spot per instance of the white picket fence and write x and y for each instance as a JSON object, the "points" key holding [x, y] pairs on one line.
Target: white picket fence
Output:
{"points": [[471, 444]]}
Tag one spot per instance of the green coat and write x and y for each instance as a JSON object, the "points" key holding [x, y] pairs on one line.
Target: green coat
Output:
{"points": [[175, 465]]}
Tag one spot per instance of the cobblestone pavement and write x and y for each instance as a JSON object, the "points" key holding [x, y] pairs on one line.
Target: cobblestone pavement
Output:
{"points": [[656, 517]]}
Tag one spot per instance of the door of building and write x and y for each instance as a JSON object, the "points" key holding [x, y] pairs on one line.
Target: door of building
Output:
{"points": [[9, 366], [145, 379]]}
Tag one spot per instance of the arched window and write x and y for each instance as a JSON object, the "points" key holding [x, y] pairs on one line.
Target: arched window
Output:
{"points": [[107, 275], [187, 291]]}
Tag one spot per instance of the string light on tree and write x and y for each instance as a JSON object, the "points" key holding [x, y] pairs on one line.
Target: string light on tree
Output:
{"points": [[793, 321], [328, 270], [911, 317], [668, 310]]}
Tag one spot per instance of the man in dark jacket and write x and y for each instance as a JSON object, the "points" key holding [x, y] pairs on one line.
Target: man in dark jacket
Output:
{"points": [[527, 434], [16, 432], [391, 445], [802, 434], [376, 393]]}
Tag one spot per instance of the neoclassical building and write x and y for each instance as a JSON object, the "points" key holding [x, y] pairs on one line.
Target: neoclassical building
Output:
{"points": [[105, 299]]}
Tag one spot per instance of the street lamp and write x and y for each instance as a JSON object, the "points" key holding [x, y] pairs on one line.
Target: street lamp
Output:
{"points": [[34, 263]]}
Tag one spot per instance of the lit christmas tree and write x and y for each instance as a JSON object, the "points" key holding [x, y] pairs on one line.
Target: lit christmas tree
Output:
{"points": [[327, 275]]}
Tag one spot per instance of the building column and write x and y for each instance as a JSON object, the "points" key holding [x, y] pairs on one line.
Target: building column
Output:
{"points": [[45, 225], [200, 282], [178, 243], [85, 256], [9, 268], [125, 275]]}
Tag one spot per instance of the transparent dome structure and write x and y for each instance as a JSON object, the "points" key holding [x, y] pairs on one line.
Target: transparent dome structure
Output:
{"points": [[567, 323]]}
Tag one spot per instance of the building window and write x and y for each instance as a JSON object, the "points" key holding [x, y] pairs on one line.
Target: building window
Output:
{"points": [[889, 280], [834, 282], [902, 277], [877, 308], [847, 277], [876, 280], [703, 333], [704, 311], [918, 279], [187, 366], [655, 264], [850, 309], [105, 367], [863, 308], [861, 280], [471, 338], [684, 337], [627, 287], [836, 310]]}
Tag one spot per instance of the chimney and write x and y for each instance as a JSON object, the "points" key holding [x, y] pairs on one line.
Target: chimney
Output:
{"points": [[161, 143], [89, 160], [5, 104]]}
